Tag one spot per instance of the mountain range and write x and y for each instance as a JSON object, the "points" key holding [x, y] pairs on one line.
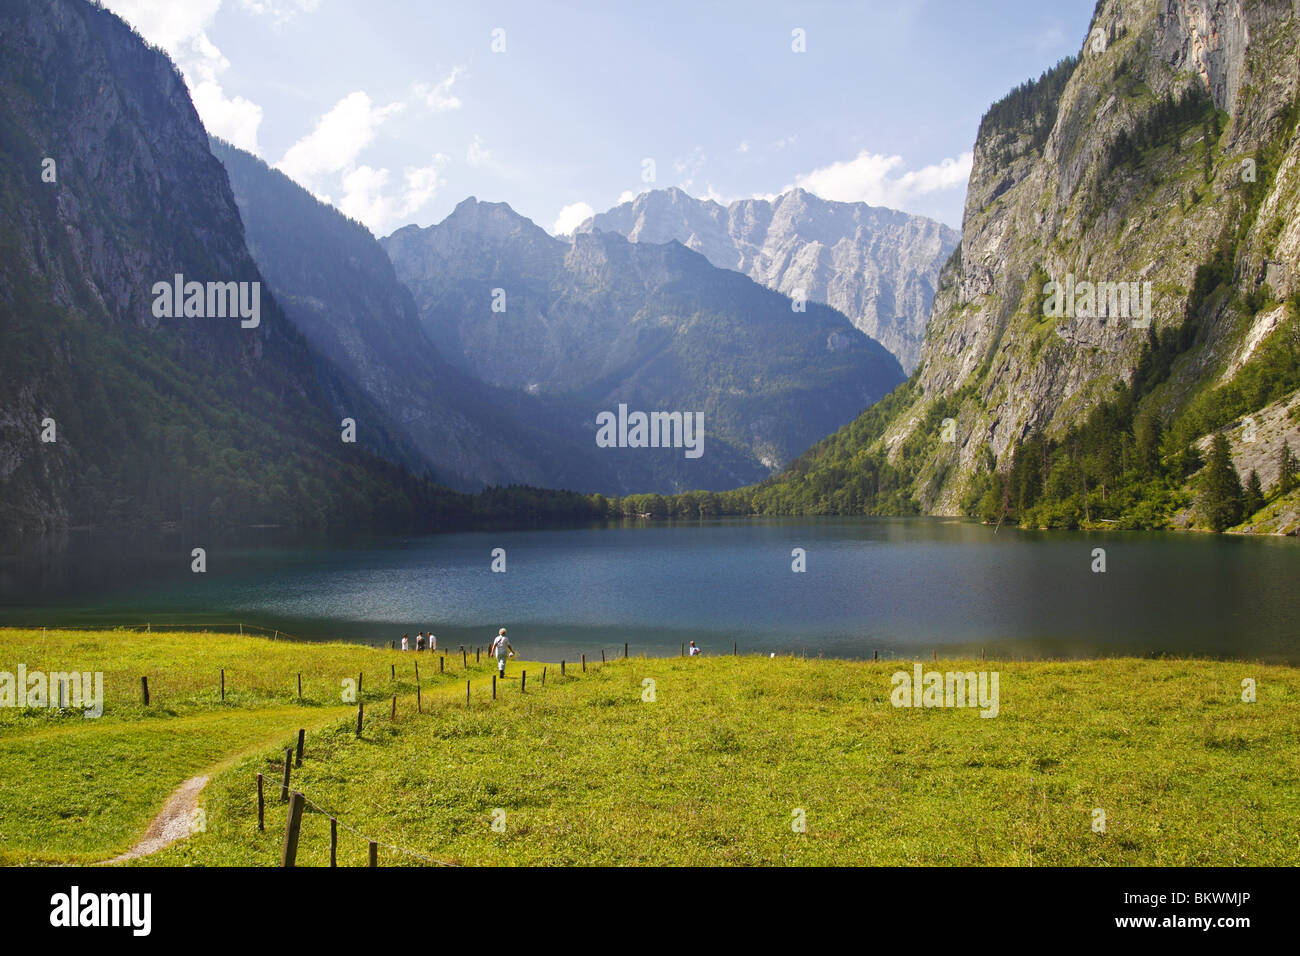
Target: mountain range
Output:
{"points": [[878, 266], [368, 386], [594, 322], [1161, 165]]}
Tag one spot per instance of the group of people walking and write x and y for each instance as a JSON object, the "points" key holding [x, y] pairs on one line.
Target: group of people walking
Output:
{"points": [[423, 641], [428, 641]]}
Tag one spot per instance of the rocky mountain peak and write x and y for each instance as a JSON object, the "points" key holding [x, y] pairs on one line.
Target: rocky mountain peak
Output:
{"points": [[877, 266]]}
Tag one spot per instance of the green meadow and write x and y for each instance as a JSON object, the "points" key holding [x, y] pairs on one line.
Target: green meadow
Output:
{"points": [[666, 761]]}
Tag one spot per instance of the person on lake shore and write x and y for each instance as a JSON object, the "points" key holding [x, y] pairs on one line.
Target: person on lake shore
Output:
{"points": [[433, 641], [419, 641], [695, 651], [404, 639], [500, 648]]}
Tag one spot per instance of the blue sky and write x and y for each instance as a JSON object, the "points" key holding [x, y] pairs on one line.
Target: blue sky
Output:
{"points": [[395, 110]]}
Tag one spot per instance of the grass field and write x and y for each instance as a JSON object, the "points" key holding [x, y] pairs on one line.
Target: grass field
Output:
{"points": [[717, 768]]}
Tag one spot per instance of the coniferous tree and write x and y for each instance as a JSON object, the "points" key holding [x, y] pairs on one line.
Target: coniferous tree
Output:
{"points": [[1254, 498], [1286, 469], [1220, 501]]}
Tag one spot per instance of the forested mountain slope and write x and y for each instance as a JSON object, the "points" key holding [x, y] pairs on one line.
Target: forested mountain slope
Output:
{"points": [[1163, 161]]}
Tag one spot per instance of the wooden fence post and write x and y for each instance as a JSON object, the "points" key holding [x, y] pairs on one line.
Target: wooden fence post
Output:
{"points": [[494, 686], [464, 659], [334, 842], [291, 829], [683, 650], [360, 713], [300, 686], [360, 674], [144, 689], [440, 662], [466, 693], [602, 655], [261, 806], [288, 762], [394, 714], [735, 649], [223, 685], [561, 668], [543, 676], [584, 663], [476, 654], [625, 649], [419, 707], [302, 733], [393, 672], [875, 655], [523, 681], [374, 854]]}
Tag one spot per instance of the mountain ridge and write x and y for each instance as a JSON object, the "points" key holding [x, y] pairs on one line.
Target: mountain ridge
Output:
{"points": [[596, 320], [878, 266]]}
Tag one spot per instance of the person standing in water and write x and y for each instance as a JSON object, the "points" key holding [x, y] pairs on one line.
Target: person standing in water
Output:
{"points": [[500, 649]]}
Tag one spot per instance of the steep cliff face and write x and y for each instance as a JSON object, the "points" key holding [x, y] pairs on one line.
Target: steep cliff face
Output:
{"points": [[107, 187], [877, 266], [1169, 145]]}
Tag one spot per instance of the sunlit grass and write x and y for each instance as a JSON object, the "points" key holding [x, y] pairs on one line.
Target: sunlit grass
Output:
{"points": [[713, 770]]}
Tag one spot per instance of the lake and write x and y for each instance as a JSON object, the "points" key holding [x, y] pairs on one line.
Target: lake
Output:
{"points": [[896, 587]]}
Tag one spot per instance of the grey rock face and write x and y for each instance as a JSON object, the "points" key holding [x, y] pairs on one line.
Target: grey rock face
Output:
{"points": [[877, 266], [1058, 206]]}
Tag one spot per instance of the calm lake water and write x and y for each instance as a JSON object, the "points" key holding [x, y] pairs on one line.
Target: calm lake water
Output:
{"points": [[899, 587]]}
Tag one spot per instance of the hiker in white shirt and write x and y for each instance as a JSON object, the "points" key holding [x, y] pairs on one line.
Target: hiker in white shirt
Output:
{"points": [[695, 651], [404, 642], [501, 648], [432, 642]]}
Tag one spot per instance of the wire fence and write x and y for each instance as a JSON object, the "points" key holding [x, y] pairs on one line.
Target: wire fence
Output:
{"points": [[334, 819], [293, 820]]}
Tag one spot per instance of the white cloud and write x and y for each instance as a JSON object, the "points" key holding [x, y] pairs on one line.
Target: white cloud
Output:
{"points": [[571, 217], [368, 198], [234, 120], [438, 97], [713, 195], [336, 142], [281, 11], [181, 30], [478, 154], [879, 180], [329, 154], [625, 196], [743, 147]]}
